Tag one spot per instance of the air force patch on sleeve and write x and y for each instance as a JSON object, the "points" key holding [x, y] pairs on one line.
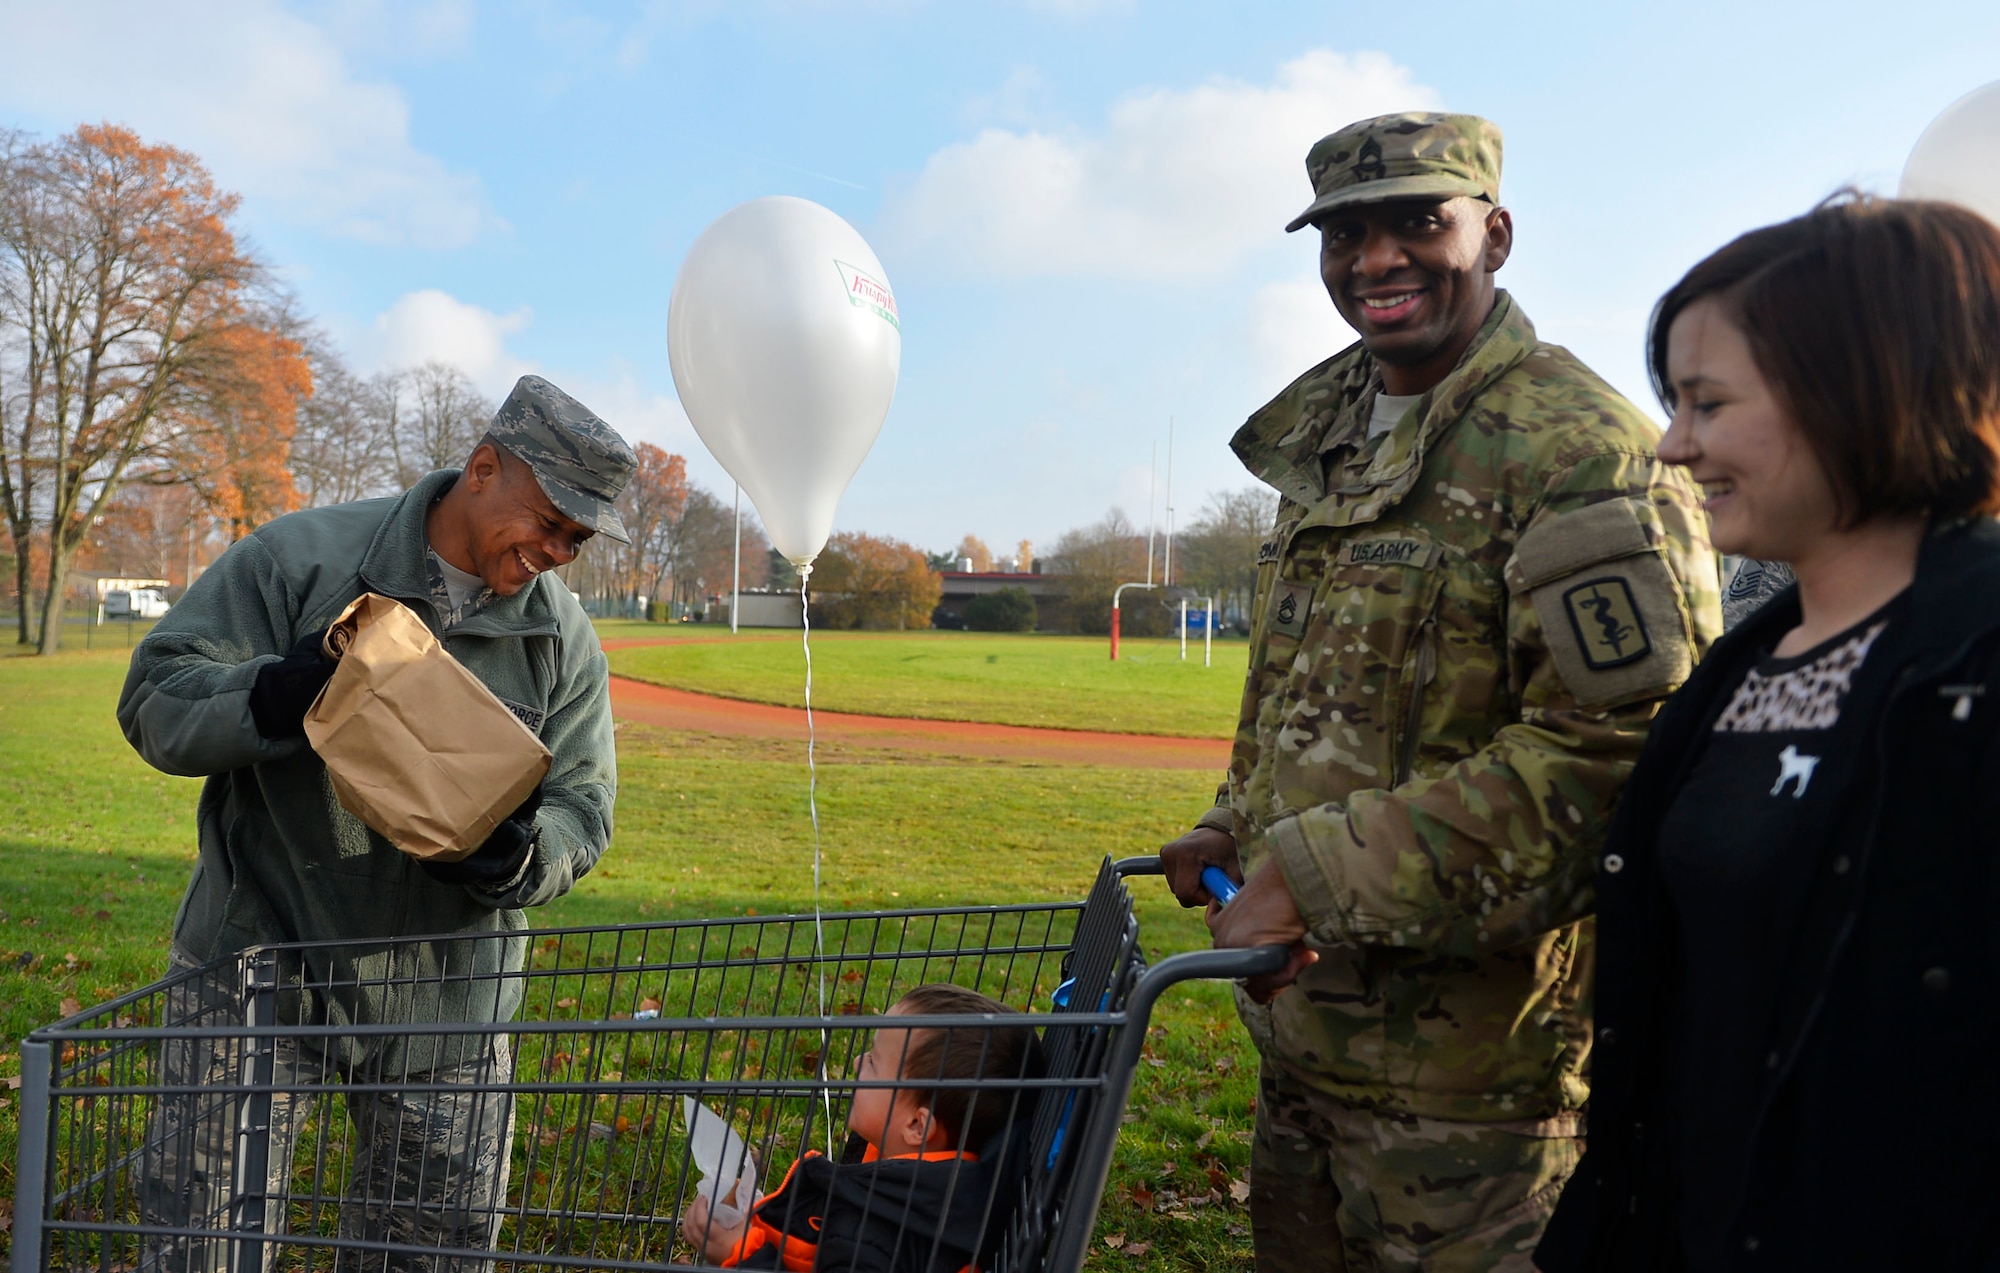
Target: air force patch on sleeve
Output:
{"points": [[1610, 632]]}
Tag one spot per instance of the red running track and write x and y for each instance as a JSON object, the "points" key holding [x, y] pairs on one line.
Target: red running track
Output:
{"points": [[708, 714]]}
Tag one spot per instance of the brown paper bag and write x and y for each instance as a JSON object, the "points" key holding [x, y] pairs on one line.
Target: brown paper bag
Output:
{"points": [[416, 746]]}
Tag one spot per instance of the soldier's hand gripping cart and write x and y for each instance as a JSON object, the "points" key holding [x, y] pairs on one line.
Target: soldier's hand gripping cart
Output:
{"points": [[1481, 584], [220, 690]]}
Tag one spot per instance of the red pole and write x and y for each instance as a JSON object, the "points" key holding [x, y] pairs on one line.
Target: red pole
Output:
{"points": [[1114, 629]]}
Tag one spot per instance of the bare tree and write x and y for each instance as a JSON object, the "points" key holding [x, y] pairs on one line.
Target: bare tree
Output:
{"points": [[1091, 562], [703, 543], [341, 451], [1217, 554], [447, 417]]}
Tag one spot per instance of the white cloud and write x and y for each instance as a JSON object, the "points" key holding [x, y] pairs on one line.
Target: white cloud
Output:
{"points": [[642, 415], [1177, 184], [266, 98], [1022, 100], [1295, 326], [432, 325], [403, 29]]}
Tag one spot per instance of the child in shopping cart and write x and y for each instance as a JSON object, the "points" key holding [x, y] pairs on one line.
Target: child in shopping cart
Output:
{"points": [[928, 1174]]}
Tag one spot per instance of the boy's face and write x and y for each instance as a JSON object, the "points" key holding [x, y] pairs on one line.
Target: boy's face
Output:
{"points": [[894, 1120]]}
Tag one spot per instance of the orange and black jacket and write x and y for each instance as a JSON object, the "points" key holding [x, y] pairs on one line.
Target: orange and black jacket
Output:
{"points": [[913, 1213]]}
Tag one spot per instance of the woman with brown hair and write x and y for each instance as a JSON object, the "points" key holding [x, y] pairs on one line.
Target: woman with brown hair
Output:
{"points": [[1798, 970]]}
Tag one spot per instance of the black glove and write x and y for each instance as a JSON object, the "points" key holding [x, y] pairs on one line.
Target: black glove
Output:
{"points": [[496, 863], [285, 690]]}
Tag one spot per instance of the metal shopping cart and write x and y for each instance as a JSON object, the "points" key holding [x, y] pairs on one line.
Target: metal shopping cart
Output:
{"points": [[232, 1118]]}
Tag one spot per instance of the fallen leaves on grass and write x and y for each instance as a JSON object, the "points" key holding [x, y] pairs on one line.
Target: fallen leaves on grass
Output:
{"points": [[69, 1007], [1138, 1248], [1116, 1241], [565, 1003], [1142, 1197], [1240, 1191]]}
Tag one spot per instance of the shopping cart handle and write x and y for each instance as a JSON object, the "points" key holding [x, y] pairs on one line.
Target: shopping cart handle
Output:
{"points": [[1220, 965], [1219, 885]]}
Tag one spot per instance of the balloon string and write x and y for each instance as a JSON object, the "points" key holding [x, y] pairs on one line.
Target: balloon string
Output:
{"points": [[812, 805]]}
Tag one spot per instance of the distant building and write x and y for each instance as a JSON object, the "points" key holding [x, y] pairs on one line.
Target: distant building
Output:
{"points": [[765, 610], [961, 586]]}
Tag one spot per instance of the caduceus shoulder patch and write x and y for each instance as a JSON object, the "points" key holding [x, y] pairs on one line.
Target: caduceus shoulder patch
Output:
{"points": [[1609, 606], [1609, 629]]}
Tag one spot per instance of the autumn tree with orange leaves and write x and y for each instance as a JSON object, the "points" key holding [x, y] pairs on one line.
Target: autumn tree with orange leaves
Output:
{"points": [[136, 343], [869, 581], [651, 506]]}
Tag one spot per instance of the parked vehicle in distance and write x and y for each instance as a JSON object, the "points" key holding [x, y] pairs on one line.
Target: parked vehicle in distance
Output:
{"points": [[136, 603]]}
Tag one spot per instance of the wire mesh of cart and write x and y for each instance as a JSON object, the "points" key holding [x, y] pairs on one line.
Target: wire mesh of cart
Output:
{"points": [[524, 1100]]}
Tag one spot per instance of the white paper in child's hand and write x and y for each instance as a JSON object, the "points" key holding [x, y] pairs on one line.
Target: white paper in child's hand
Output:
{"points": [[728, 1168]]}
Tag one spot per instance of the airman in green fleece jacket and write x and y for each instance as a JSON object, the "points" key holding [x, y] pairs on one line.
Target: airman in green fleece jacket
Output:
{"points": [[219, 690]]}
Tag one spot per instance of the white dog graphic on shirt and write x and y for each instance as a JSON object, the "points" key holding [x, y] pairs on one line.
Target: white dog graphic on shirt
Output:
{"points": [[1793, 765]]}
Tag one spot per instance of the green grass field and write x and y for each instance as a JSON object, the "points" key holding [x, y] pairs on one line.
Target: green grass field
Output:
{"points": [[1056, 682], [98, 848]]}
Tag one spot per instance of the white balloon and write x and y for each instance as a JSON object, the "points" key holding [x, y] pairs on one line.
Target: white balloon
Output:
{"points": [[784, 342], [1958, 157]]}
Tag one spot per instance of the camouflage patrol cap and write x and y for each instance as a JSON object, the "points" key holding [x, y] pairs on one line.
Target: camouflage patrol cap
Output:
{"points": [[579, 461], [1413, 155]]}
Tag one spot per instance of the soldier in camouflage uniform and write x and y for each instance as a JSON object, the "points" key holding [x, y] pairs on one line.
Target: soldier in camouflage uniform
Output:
{"points": [[1474, 598], [219, 690]]}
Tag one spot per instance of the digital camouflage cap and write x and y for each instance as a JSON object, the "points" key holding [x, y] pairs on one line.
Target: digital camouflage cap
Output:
{"points": [[1413, 155], [579, 461]]}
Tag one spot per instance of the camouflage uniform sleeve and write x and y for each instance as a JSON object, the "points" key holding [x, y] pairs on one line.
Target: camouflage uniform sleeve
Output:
{"points": [[1500, 846]]}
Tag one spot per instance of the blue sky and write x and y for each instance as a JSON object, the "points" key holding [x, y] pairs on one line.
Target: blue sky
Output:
{"points": [[1080, 203]]}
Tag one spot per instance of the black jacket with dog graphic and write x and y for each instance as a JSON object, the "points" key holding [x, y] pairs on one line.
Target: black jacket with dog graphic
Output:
{"points": [[1867, 1137]]}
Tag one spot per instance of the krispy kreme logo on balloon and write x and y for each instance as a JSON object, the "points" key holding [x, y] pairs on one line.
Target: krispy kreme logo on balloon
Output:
{"points": [[865, 291]]}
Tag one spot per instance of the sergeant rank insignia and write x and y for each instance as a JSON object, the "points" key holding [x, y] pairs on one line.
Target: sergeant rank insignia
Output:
{"points": [[1289, 608], [1607, 623]]}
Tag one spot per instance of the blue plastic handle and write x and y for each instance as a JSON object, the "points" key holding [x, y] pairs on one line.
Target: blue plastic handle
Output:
{"points": [[1219, 886]]}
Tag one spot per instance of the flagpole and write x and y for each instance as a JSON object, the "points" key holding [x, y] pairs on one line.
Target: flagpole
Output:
{"points": [[1152, 509], [1167, 570]]}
